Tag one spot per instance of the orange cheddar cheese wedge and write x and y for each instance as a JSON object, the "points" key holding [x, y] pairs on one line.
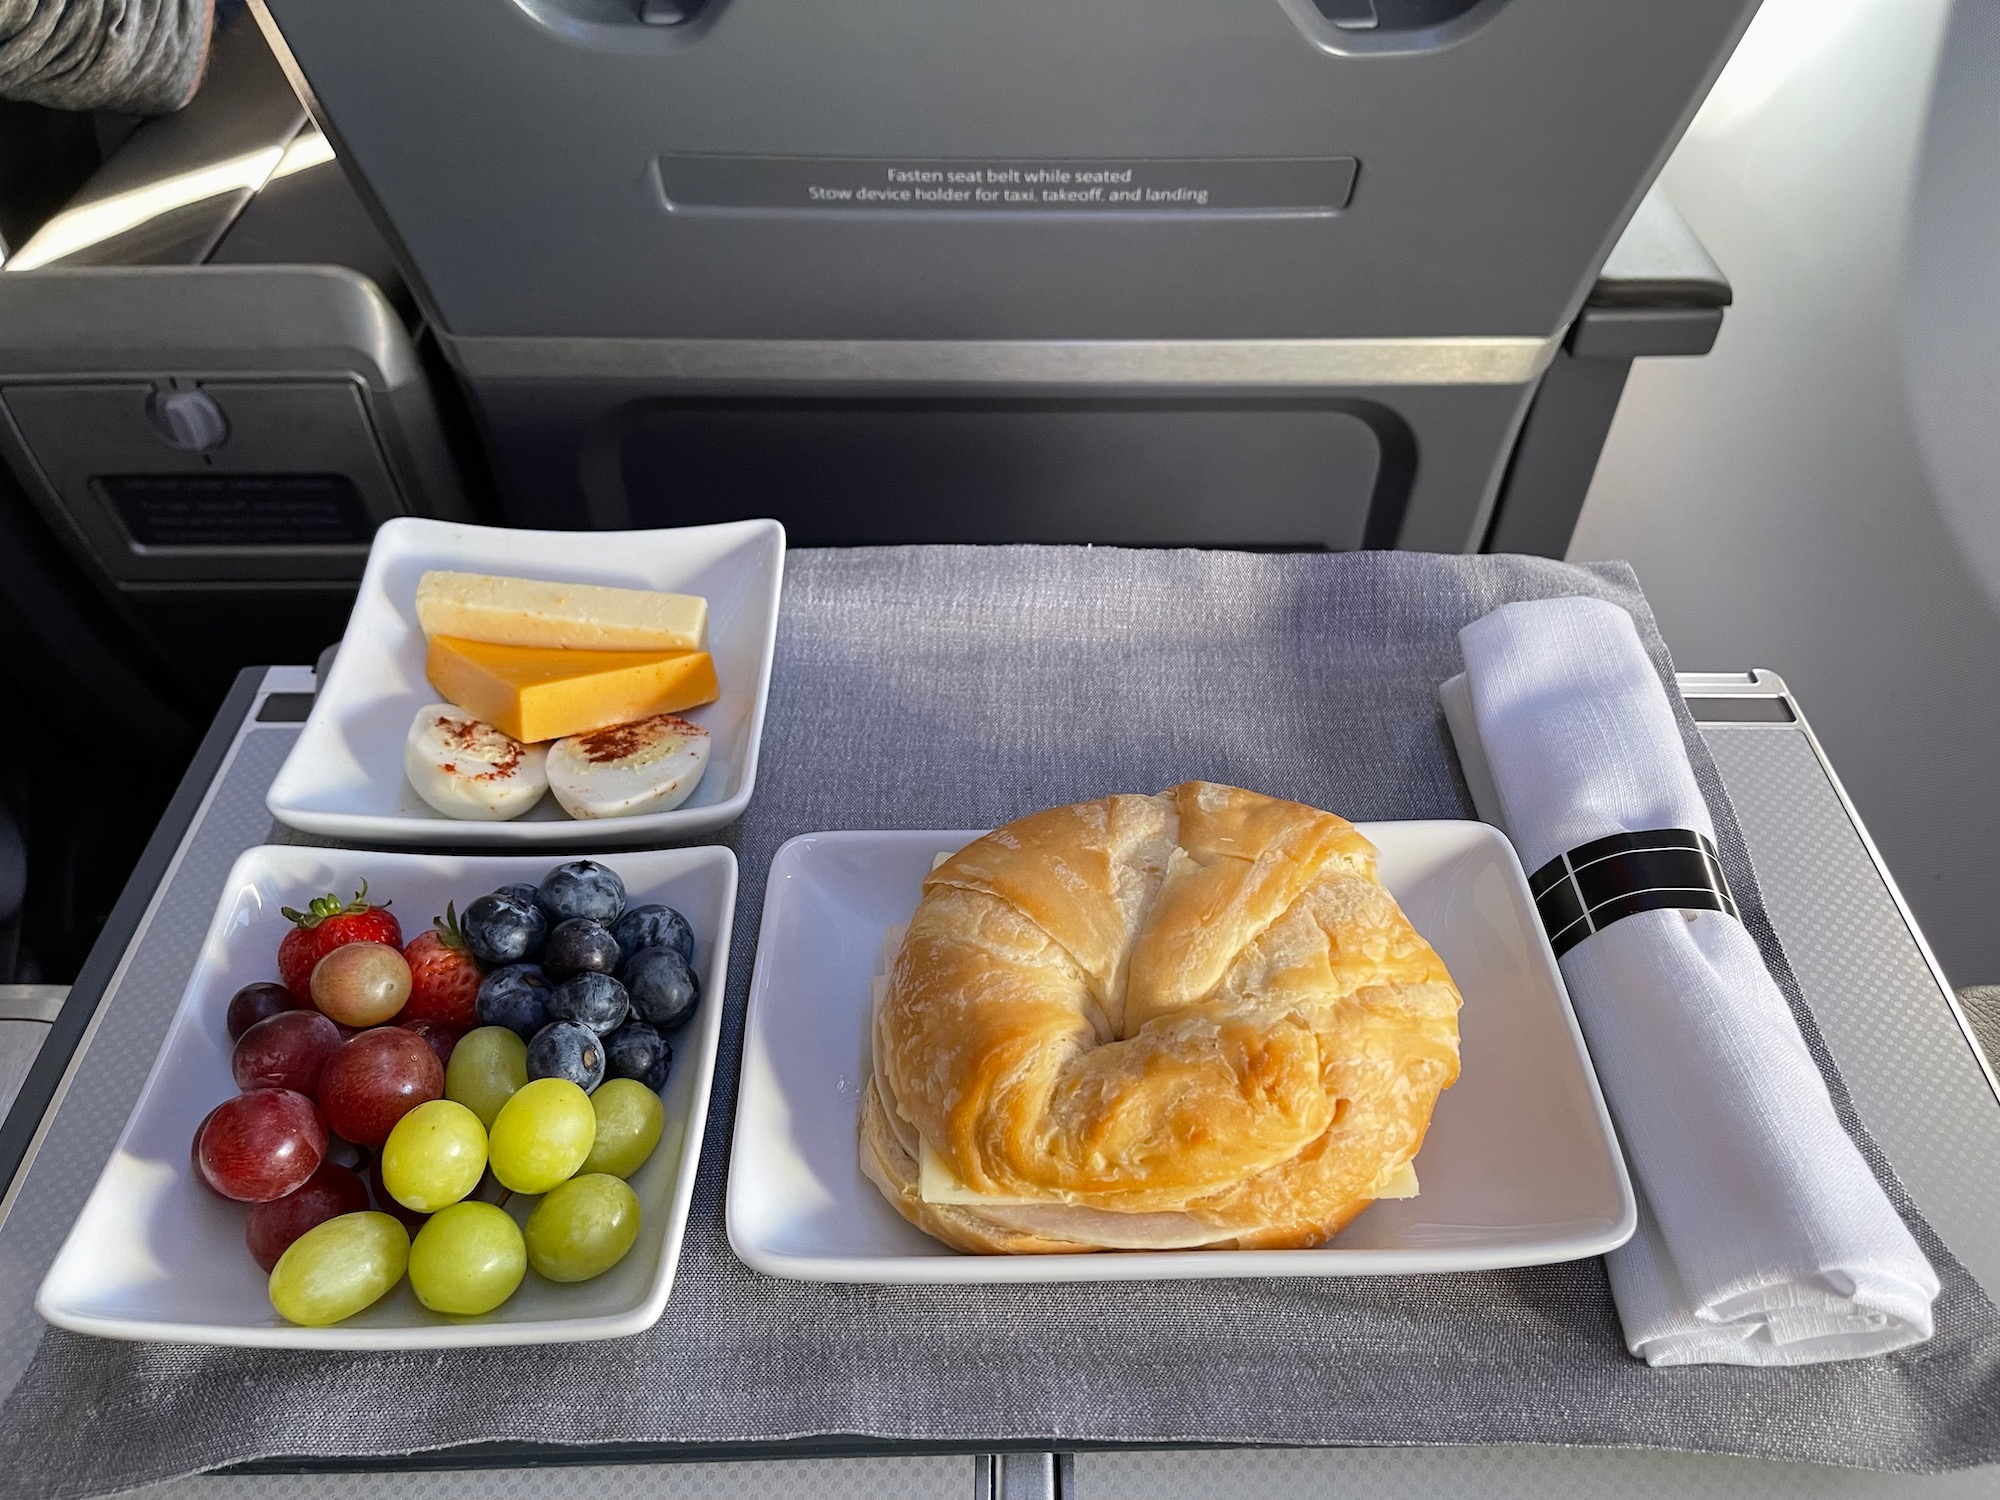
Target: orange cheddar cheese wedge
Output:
{"points": [[543, 693]]}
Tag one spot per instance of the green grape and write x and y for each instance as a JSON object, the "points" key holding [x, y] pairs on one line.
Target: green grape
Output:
{"points": [[542, 1135], [335, 1269], [434, 1156], [583, 1228], [486, 1067], [629, 1121], [467, 1259]]}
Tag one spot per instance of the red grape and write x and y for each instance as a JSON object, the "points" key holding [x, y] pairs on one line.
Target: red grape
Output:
{"points": [[361, 984], [254, 1003], [262, 1145], [194, 1148], [376, 1079], [285, 1052], [327, 1194], [441, 1037]]}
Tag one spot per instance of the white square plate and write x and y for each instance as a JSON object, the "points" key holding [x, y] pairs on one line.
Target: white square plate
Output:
{"points": [[154, 1255], [344, 778], [1520, 1167]]}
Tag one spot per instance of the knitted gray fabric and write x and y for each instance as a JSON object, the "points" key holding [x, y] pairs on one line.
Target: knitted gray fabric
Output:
{"points": [[960, 687], [141, 57]]}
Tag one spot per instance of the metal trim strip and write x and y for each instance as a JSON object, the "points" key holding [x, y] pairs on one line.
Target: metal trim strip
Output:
{"points": [[32, 1002], [1193, 363]]}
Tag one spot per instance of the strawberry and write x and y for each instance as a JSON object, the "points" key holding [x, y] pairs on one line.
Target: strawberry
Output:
{"points": [[327, 924], [444, 976]]}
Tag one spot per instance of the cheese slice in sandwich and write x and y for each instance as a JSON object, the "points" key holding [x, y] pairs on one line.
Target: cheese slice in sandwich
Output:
{"points": [[937, 1183], [1401, 1183]]}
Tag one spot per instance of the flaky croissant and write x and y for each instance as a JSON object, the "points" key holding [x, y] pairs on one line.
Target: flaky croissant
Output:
{"points": [[1192, 1019]]}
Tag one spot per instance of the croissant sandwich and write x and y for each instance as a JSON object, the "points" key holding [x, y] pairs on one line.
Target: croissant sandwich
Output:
{"points": [[1140, 1023]]}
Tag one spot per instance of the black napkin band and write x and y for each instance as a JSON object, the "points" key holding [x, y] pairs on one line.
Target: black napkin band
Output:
{"points": [[1596, 884]]}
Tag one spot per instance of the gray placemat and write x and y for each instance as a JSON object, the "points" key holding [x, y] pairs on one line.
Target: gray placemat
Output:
{"points": [[954, 688]]}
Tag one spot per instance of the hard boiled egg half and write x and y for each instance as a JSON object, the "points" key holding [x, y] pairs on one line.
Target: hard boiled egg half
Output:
{"points": [[465, 768], [649, 766]]}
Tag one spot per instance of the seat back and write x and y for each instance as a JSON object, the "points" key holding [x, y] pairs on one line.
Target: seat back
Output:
{"points": [[1279, 272]]}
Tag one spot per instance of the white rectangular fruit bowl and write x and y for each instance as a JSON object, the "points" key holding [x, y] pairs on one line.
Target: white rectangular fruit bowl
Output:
{"points": [[156, 1255], [344, 778], [1520, 1167]]}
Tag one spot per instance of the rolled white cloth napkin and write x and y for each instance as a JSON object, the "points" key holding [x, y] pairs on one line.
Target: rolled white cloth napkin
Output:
{"points": [[1764, 1238]]}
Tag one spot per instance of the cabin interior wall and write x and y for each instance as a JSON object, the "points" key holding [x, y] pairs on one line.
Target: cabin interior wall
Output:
{"points": [[1820, 496]]}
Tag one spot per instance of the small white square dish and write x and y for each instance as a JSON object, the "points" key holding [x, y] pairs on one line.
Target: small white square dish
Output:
{"points": [[344, 778], [156, 1255], [1521, 1166]]}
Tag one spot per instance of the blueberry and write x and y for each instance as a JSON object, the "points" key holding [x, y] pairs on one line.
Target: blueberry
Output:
{"points": [[515, 997], [501, 930], [655, 927], [663, 987], [520, 890], [579, 946], [582, 888], [565, 1050], [635, 1050], [594, 1000]]}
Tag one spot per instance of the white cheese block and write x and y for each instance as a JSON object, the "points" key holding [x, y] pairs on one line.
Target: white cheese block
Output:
{"points": [[575, 616]]}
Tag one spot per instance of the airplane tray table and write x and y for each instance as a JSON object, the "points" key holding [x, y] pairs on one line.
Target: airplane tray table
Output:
{"points": [[1917, 1082]]}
